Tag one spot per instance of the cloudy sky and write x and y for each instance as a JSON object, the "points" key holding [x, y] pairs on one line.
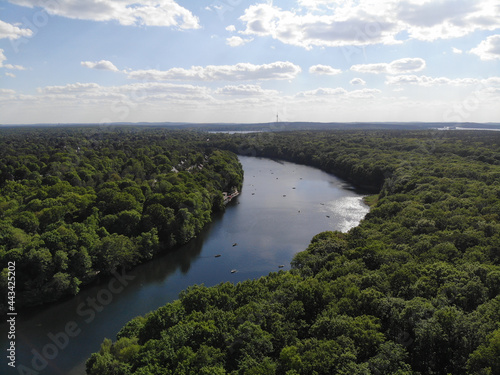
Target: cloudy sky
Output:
{"points": [[100, 61]]}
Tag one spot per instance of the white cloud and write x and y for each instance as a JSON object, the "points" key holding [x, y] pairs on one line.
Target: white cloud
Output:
{"points": [[7, 93], [456, 50], [324, 69], [100, 65], [8, 66], [364, 93], [238, 72], [126, 12], [162, 101], [323, 92], [231, 28], [371, 68], [245, 90], [120, 98], [12, 75], [9, 31], [491, 81], [316, 4], [73, 88], [92, 102], [431, 81], [308, 30], [364, 22], [236, 41], [405, 65], [327, 94], [446, 19], [488, 49], [357, 81], [417, 80], [141, 90], [14, 67]]}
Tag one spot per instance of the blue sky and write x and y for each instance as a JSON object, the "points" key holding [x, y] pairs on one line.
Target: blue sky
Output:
{"points": [[100, 61]]}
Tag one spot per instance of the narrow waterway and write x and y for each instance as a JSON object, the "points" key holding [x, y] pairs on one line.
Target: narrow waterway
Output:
{"points": [[281, 206]]}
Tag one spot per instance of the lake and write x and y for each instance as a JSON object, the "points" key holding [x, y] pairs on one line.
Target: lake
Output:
{"points": [[281, 207]]}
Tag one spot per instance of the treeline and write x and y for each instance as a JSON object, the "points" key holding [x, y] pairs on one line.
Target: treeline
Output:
{"points": [[365, 158], [414, 289], [76, 203]]}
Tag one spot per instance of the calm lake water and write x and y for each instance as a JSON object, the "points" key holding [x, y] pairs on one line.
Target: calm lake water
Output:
{"points": [[282, 205]]}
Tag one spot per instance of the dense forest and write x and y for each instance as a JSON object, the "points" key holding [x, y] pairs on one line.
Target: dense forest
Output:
{"points": [[414, 289], [81, 203]]}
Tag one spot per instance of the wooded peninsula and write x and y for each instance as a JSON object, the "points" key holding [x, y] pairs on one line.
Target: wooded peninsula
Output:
{"points": [[77, 204]]}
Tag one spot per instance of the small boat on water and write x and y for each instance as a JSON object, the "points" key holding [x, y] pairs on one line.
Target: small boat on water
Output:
{"points": [[233, 271], [235, 244], [281, 266], [218, 255]]}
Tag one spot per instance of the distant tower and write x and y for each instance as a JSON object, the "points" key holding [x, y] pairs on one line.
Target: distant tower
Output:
{"points": [[277, 120]]}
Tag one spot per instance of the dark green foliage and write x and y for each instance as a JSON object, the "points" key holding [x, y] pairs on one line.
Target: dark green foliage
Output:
{"points": [[486, 358], [80, 202], [414, 289]]}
